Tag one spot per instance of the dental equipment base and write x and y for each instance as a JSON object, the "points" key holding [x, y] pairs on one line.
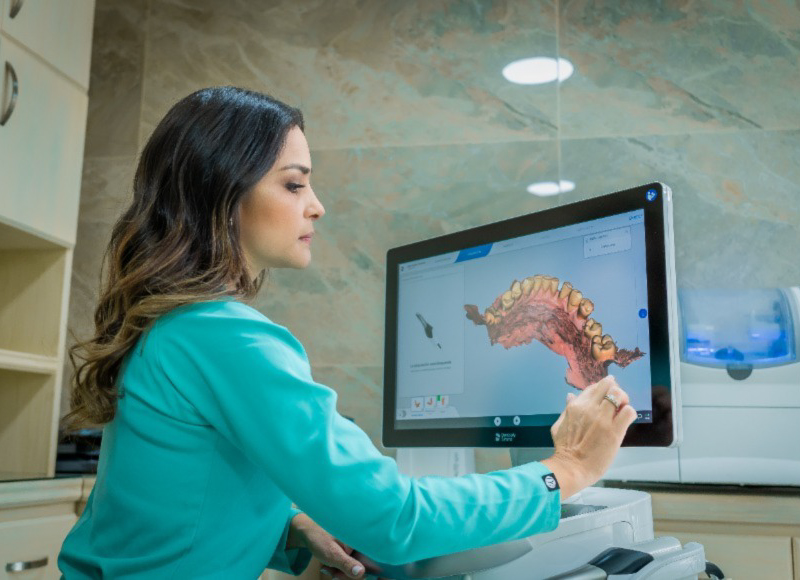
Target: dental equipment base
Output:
{"points": [[592, 521]]}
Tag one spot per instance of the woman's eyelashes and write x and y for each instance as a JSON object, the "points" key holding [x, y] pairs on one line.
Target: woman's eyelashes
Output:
{"points": [[294, 187]]}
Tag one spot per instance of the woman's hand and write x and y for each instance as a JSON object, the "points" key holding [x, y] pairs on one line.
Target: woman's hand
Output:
{"points": [[332, 554], [588, 435]]}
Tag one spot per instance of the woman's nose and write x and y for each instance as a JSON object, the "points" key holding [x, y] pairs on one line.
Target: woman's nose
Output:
{"points": [[316, 209]]}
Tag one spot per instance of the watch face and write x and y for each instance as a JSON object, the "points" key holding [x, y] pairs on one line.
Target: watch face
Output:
{"points": [[490, 328], [550, 481]]}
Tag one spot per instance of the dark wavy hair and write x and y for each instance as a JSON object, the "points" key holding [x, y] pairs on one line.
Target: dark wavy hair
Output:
{"points": [[178, 241]]}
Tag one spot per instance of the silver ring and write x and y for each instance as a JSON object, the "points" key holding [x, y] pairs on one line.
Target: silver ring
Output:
{"points": [[612, 400]]}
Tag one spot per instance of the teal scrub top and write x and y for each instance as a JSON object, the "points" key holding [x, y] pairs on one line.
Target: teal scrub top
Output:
{"points": [[220, 428]]}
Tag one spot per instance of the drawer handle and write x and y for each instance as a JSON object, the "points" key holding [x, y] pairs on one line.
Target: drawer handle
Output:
{"points": [[29, 565], [14, 92], [16, 6]]}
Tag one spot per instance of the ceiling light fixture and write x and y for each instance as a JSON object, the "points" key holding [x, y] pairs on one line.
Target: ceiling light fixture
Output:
{"points": [[547, 188], [538, 70]]}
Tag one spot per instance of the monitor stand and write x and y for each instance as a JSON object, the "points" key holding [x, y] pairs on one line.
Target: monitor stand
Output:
{"points": [[592, 520]]}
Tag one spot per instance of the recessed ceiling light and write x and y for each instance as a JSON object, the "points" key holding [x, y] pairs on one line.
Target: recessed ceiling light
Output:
{"points": [[538, 70], [545, 188]]}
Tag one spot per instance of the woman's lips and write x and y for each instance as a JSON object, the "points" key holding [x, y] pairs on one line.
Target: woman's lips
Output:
{"points": [[306, 238]]}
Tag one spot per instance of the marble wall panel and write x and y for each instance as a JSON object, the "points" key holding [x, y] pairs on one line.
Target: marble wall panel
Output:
{"points": [[737, 199], [365, 73], [115, 89], [651, 67], [461, 184], [379, 198]]}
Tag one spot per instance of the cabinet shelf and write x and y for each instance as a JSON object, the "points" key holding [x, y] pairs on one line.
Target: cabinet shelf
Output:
{"points": [[17, 236], [28, 362]]}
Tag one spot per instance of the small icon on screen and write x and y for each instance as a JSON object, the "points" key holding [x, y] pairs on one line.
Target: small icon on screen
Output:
{"points": [[497, 421], [643, 313], [517, 421], [428, 329], [651, 194], [416, 403]]}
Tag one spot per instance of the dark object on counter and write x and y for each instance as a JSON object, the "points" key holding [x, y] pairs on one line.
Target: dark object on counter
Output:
{"points": [[79, 451]]}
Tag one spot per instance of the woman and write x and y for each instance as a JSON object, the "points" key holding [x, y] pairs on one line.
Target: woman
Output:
{"points": [[213, 424]]}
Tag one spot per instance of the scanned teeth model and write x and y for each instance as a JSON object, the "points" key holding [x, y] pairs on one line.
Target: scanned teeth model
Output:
{"points": [[535, 309], [428, 330]]}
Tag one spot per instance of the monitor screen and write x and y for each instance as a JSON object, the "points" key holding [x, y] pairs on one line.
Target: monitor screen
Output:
{"points": [[489, 329]]}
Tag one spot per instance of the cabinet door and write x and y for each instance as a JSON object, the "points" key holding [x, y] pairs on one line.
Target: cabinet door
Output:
{"points": [[60, 32], [41, 147], [30, 542], [743, 557]]}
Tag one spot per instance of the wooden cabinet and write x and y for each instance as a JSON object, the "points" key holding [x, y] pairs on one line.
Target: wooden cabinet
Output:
{"points": [[743, 556], [41, 145], [31, 546], [748, 535], [35, 517], [58, 32], [41, 157], [34, 287]]}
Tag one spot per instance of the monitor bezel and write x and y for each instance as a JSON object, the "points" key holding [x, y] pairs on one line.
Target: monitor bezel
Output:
{"points": [[664, 430]]}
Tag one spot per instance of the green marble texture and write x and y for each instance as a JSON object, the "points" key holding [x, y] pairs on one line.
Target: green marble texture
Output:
{"points": [[737, 199], [654, 68], [365, 73]]}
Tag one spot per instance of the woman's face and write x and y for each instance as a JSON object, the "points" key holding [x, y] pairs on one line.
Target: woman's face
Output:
{"points": [[277, 217]]}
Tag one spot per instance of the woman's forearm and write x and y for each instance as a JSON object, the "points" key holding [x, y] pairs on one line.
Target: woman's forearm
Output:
{"points": [[569, 476]]}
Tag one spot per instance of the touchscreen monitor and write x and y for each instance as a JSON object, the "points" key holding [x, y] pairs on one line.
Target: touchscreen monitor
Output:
{"points": [[488, 329]]}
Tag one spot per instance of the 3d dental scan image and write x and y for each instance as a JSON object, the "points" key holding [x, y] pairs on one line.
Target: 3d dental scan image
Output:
{"points": [[536, 309]]}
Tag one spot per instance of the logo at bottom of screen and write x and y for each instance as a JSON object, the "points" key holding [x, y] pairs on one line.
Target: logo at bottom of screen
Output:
{"points": [[550, 481], [504, 437]]}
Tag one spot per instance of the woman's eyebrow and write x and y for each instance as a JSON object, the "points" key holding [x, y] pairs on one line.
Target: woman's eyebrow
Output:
{"points": [[305, 170]]}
